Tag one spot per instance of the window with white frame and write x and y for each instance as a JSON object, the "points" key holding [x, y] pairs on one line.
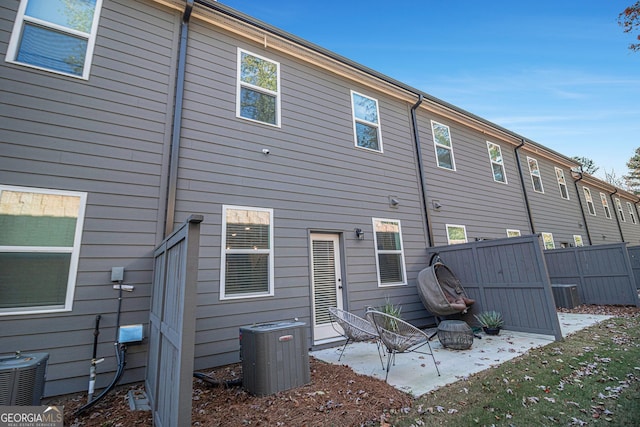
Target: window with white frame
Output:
{"points": [[513, 233], [443, 145], [605, 205], [577, 240], [562, 184], [536, 178], [631, 213], [247, 252], [497, 162], [456, 234], [590, 206], [387, 235], [55, 35], [547, 240], [366, 122], [258, 91], [620, 211], [40, 236]]}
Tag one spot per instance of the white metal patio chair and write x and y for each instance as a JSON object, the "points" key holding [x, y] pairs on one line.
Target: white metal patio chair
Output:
{"points": [[353, 328], [399, 336]]}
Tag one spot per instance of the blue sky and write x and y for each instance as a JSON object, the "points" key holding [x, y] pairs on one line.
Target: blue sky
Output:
{"points": [[557, 72]]}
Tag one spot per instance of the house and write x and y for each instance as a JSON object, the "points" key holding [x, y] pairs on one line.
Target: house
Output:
{"points": [[321, 182]]}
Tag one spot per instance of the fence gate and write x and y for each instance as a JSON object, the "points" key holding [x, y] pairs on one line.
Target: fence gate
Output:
{"points": [[172, 321]]}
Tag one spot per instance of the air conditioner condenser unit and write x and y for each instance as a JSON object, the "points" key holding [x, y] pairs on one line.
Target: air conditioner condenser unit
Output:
{"points": [[22, 378]]}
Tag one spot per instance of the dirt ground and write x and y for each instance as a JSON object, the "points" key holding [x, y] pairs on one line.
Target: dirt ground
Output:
{"points": [[335, 396]]}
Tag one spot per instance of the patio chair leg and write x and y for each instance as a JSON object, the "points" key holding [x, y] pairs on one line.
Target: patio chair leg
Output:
{"points": [[343, 348], [434, 358], [391, 359], [380, 353]]}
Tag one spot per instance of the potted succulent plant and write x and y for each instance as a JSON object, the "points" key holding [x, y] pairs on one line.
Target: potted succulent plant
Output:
{"points": [[491, 321]]}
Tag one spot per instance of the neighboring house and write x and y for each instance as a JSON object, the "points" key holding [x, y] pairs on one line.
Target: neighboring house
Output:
{"points": [[321, 182]]}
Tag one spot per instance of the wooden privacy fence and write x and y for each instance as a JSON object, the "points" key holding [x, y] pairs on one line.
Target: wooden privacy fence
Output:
{"points": [[634, 257], [172, 325], [603, 273], [508, 275]]}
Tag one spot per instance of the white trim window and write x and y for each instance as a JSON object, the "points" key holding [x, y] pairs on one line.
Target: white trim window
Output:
{"points": [[562, 184], [620, 211], [258, 90], [247, 252], [497, 162], [577, 240], [366, 122], [55, 35], [590, 206], [390, 265], [605, 205], [40, 236], [547, 240], [456, 234], [631, 214], [513, 233], [536, 178], [443, 146]]}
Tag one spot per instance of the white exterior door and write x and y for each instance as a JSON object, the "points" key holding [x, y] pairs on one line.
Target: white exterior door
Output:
{"points": [[326, 283]]}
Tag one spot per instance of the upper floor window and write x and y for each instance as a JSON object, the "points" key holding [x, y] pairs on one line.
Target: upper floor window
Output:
{"points": [[55, 35], [456, 234], [620, 211], [547, 240], [443, 145], [513, 233], [589, 199], [534, 171], [605, 205], [40, 235], [631, 213], [247, 252], [497, 162], [562, 184], [389, 252], [577, 240], [258, 92], [366, 122]]}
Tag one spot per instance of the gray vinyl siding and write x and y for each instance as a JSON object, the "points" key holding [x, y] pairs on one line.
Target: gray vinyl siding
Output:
{"points": [[630, 231], [550, 212], [600, 225], [314, 179], [469, 195], [106, 136]]}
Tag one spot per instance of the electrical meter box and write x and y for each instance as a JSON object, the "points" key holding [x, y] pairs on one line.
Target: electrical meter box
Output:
{"points": [[275, 357]]}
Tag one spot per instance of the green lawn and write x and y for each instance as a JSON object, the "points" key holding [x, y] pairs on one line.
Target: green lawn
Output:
{"points": [[591, 378]]}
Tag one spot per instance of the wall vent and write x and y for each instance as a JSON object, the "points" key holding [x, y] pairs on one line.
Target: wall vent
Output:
{"points": [[22, 379]]}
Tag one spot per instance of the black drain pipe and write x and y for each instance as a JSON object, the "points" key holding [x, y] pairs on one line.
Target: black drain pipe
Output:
{"points": [[584, 217], [177, 121], [617, 213], [416, 139], [524, 187]]}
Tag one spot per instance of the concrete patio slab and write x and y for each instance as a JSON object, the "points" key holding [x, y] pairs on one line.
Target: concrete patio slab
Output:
{"points": [[415, 373]]}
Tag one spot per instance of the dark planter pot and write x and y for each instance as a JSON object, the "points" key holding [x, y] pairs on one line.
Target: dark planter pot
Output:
{"points": [[491, 331]]}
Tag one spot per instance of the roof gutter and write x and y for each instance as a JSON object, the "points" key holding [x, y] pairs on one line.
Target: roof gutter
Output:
{"points": [[177, 121], [524, 187], [584, 217], [423, 185], [617, 214]]}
